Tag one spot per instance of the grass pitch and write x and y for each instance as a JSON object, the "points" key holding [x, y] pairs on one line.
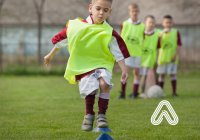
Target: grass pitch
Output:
{"points": [[48, 108]]}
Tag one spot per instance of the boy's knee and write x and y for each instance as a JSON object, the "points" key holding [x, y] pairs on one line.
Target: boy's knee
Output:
{"points": [[104, 87], [136, 71], [105, 95], [161, 77], [173, 76]]}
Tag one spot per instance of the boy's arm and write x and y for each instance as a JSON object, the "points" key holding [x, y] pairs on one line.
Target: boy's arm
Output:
{"points": [[50, 55], [158, 51], [124, 69], [179, 44], [118, 47], [120, 52], [179, 41], [59, 41]]}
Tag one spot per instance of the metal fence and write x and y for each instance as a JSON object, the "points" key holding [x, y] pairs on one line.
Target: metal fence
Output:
{"points": [[20, 46]]}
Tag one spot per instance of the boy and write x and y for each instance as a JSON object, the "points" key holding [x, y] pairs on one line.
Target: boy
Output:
{"points": [[93, 46], [150, 46], [132, 33], [168, 53]]}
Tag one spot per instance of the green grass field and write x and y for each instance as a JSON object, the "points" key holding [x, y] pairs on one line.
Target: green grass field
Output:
{"points": [[48, 108]]}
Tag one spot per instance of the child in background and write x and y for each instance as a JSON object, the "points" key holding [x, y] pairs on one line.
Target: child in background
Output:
{"points": [[150, 47], [133, 33], [93, 47], [168, 53]]}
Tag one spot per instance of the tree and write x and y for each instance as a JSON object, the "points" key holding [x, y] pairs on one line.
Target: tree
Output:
{"points": [[1, 45], [39, 12]]}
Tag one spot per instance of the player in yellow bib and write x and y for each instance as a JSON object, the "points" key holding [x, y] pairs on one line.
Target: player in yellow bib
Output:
{"points": [[168, 53], [150, 47], [94, 47], [133, 33]]}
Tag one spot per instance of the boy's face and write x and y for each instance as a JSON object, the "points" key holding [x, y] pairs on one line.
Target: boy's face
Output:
{"points": [[167, 23], [133, 12], [150, 23], [100, 10]]}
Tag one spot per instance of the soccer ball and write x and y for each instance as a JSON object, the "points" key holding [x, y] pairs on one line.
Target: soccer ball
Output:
{"points": [[155, 91]]}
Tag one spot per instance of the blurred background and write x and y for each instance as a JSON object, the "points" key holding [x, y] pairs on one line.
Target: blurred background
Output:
{"points": [[27, 26]]}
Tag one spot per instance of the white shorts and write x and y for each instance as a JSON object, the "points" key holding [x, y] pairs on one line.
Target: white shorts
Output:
{"points": [[170, 68], [133, 62], [144, 71], [90, 83]]}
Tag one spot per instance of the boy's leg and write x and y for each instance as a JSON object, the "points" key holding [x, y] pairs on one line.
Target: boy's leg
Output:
{"points": [[89, 103], [142, 83], [161, 79], [161, 70], [136, 82], [156, 76], [89, 112], [88, 87], [136, 73], [174, 84], [103, 103], [172, 70], [123, 90], [143, 77], [150, 80]]}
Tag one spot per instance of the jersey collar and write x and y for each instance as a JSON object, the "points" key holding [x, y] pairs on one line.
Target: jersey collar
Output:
{"points": [[150, 32], [136, 23], [90, 20]]}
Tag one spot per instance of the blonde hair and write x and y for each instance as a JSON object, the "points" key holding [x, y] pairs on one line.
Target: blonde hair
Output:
{"points": [[150, 16], [93, 1], [134, 6]]}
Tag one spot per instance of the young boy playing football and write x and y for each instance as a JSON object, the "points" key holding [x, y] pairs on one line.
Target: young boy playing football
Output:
{"points": [[168, 53], [133, 33], [94, 47], [150, 47]]}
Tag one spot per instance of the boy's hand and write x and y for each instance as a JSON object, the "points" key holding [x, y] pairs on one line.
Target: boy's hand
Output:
{"points": [[173, 58], [47, 59], [124, 76], [124, 69]]}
